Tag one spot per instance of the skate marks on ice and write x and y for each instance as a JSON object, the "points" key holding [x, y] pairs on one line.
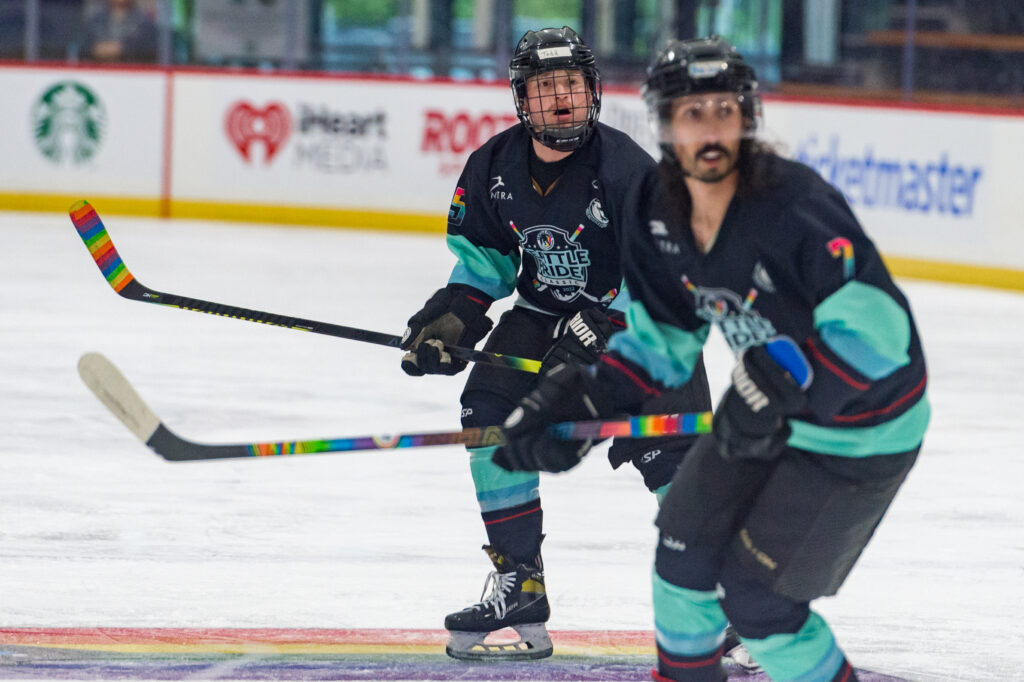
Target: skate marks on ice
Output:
{"points": [[316, 654]]}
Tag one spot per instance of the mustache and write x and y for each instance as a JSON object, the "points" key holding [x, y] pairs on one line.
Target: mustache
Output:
{"points": [[713, 147]]}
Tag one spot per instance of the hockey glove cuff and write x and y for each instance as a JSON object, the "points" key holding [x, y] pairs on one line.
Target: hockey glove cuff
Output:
{"points": [[750, 422], [581, 338], [566, 393], [453, 316]]}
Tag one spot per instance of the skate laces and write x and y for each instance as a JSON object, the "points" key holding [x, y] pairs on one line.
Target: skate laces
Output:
{"points": [[501, 584]]}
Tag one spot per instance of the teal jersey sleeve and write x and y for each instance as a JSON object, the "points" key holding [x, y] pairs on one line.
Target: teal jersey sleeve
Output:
{"points": [[486, 269], [668, 353]]}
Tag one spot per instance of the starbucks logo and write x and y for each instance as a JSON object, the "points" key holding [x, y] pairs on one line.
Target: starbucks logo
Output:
{"points": [[68, 122]]}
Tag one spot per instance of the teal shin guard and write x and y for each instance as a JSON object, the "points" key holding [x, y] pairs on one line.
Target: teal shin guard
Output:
{"points": [[509, 506], [689, 628], [497, 488], [809, 655]]}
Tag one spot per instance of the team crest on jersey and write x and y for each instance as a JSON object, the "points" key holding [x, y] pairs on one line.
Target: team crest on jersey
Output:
{"points": [[458, 208], [734, 315], [596, 213], [562, 264]]}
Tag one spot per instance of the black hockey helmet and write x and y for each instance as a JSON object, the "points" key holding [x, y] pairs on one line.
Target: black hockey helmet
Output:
{"points": [[711, 64], [547, 50]]}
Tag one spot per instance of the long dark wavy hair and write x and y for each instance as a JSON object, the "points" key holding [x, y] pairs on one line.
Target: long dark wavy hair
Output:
{"points": [[754, 178]]}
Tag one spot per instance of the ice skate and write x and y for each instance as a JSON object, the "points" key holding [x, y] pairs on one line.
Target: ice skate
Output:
{"points": [[517, 600], [738, 653]]}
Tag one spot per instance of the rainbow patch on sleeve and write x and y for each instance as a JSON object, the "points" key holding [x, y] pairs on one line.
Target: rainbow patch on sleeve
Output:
{"points": [[841, 247]]}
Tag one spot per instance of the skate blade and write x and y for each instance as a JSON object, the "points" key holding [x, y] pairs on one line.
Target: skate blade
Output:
{"points": [[744, 661], [533, 643]]}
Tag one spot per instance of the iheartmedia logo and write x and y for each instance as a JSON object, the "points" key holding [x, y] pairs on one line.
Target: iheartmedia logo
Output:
{"points": [[326, 140], [247, 125]]}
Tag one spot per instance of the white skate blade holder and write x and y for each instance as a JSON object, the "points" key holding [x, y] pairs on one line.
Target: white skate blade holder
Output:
{"points": [[533, 643]]}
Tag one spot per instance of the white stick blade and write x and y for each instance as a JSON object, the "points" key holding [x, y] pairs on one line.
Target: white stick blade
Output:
{"points": [[114, 391]]}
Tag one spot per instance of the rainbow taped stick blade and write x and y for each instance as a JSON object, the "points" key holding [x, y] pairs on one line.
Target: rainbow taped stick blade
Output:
{"points": [[101, 248]]}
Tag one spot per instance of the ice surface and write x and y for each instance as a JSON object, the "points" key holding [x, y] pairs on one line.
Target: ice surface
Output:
{"points": [[97, 531]]}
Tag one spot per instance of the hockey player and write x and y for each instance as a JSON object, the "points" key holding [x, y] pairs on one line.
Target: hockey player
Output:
{"points": [[827, 407], [536, 211]]}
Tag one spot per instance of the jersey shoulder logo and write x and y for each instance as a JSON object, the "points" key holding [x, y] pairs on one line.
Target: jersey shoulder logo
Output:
{"points": [[596, 213], [840, 247], [761, 278], [457, 211]]}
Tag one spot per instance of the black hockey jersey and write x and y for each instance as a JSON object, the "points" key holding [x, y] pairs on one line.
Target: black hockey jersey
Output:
{"points": [[789, 260], [558, 251]]}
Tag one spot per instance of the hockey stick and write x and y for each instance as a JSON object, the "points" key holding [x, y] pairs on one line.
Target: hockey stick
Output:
{"points": [[114, 391], [94, 235]]}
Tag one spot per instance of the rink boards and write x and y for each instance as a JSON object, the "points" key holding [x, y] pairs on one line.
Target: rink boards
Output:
{"points": [[314, 654]]}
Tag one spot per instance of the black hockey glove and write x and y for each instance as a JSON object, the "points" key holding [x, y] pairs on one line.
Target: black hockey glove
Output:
{"points": [[581, 338], [566, 393], [750, 422], [454, 316]]}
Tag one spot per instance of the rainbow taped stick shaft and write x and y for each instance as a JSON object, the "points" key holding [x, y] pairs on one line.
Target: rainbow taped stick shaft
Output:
{"points": [[108, 260], [118, 395]]}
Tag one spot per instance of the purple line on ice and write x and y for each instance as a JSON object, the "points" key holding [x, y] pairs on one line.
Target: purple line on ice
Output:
{"points": [[538, 671]]}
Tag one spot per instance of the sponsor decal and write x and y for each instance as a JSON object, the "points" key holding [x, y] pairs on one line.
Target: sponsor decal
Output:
{"points": [[323, 140], [650, 456], [496, 192], [671, 543], [68, 123], [340, 142], [661, 238], [247, 125], [452, 136], [938, 185]]}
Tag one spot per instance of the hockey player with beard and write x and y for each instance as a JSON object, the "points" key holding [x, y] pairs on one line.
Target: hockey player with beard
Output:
{"points": [[827, 408], [536, 212]]}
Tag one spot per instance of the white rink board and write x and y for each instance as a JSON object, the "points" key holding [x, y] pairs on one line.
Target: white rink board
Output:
{"points": [[121, 155], [355, 144], [927, 185]]}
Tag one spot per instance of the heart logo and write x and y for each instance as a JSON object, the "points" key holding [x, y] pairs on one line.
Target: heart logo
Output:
{"points": [[246, 125]]}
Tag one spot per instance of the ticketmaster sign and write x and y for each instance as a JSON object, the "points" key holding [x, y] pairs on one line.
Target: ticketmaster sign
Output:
{"points": [[938, 185]]}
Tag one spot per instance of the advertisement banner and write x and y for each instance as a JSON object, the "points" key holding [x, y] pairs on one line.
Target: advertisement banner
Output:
{"points": [[928, 185], [367, 145], [924, 184], [81, 132]]}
